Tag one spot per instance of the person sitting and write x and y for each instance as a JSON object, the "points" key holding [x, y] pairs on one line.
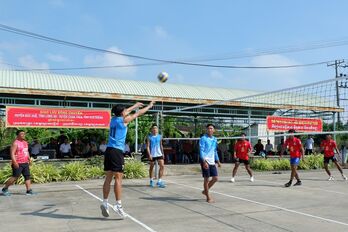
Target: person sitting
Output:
{"points": [[269, 148], [35, 148], [102, 147], [127, 151], [94, 149], [65, 149], [258, 147]]}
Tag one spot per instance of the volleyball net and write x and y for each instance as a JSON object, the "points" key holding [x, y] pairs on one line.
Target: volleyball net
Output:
{"points": [[314, 109]]}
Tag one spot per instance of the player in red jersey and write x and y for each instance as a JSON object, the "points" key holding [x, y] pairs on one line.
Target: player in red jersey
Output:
{"points": [[296, 153], [328, 147], [20, 163], [242, 149]]}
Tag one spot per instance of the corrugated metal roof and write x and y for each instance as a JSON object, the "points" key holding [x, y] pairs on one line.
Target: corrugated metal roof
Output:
{"points": [[56, 82]]}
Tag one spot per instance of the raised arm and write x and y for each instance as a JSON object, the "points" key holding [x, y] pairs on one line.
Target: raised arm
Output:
{"points": [[135, 106], [131, 117]]}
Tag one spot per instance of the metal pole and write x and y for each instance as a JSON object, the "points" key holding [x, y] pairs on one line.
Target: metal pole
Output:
{"points": [[160, 129], [136, 135], [334, 124], [249, 128]]}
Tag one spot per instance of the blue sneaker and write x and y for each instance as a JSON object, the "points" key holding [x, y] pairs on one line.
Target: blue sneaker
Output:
{"points": [[161, 184], [5, 192], [152, 184]]}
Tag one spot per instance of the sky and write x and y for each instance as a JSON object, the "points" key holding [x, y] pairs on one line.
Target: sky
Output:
{"points": [[192, 31]]}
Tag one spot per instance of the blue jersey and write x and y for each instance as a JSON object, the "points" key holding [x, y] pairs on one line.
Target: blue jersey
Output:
{"points": [[155, 145], [117, 134], [208, 149]]}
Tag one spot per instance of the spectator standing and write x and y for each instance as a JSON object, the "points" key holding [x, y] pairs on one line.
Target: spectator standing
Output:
{"points": [[309, 145]]}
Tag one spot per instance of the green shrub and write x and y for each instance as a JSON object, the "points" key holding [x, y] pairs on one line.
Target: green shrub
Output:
{"points": [[310, 162], [74, 171], [282, 164], [262, 165], [5, 173], [97, 161], [134, 169], [95, 171], [43, 173]]}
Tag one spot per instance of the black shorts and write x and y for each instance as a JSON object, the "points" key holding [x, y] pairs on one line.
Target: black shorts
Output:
{"points": [[245, 162], [157, 158], [327, 159], [308, 152], [22, 169], [113, 160], [210, 171]]}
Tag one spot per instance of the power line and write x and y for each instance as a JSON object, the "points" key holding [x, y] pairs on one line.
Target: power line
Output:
{"points": [[22, 68], [162, 61]]}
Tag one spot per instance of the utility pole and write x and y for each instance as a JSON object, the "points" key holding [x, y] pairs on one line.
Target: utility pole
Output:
{"points": [[337, 64]]}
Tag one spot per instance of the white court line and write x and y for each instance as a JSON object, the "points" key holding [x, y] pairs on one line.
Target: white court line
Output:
{"points": [[317, 189], [265, 204], [129, 216]]}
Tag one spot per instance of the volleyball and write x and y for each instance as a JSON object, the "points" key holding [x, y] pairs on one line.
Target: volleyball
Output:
{"points": [[163, 77]]}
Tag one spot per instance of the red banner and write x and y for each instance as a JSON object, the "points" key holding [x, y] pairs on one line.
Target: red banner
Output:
{"points": [[281, 124], [56, 117]]}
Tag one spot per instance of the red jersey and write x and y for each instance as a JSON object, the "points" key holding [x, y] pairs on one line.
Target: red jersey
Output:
{"points": [[22, 153], [295, 147], [242, 149], [328, 146]]}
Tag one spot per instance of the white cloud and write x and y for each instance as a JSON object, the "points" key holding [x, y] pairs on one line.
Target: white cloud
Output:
{"points": [[29, 62], [160, 32], [108, 59], [216, 75], [57, 58]]}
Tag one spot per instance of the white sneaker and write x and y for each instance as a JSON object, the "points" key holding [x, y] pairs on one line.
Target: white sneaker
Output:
{"points": [[331, 178], [232, 180], [344, 177], [119, 210], [252, 179], [105, 210]]}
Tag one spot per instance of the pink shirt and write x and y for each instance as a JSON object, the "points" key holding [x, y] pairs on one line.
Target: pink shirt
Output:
{"points": [[22, 153]]}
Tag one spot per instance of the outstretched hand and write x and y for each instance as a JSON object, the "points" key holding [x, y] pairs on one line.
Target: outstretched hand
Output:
{"points": [[152, 103], [139, 104]]}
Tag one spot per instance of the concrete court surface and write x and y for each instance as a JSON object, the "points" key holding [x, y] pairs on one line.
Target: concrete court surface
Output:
{"points": [[264, 205]]}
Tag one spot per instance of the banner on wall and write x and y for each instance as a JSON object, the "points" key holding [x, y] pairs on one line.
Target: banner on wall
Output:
{"points": [[56, 117], [281, 124]]}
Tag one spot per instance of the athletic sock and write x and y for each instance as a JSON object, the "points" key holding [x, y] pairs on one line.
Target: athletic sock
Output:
{"points": [[118, 202], [159, 180], [105, 202]]}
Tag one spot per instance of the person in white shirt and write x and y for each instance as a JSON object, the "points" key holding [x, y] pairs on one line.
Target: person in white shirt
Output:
{"points": [[309, 145], [269, 148], [65, 148], [102, 147], [127, 149], [35, 148]]}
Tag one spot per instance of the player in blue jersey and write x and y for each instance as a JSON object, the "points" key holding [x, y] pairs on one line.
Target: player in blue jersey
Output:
{"points": [[209, 158], [155, 152], [114, 154]]}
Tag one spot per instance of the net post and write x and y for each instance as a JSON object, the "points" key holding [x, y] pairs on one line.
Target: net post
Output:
{"points": [[249, 128], [136, 134]]}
